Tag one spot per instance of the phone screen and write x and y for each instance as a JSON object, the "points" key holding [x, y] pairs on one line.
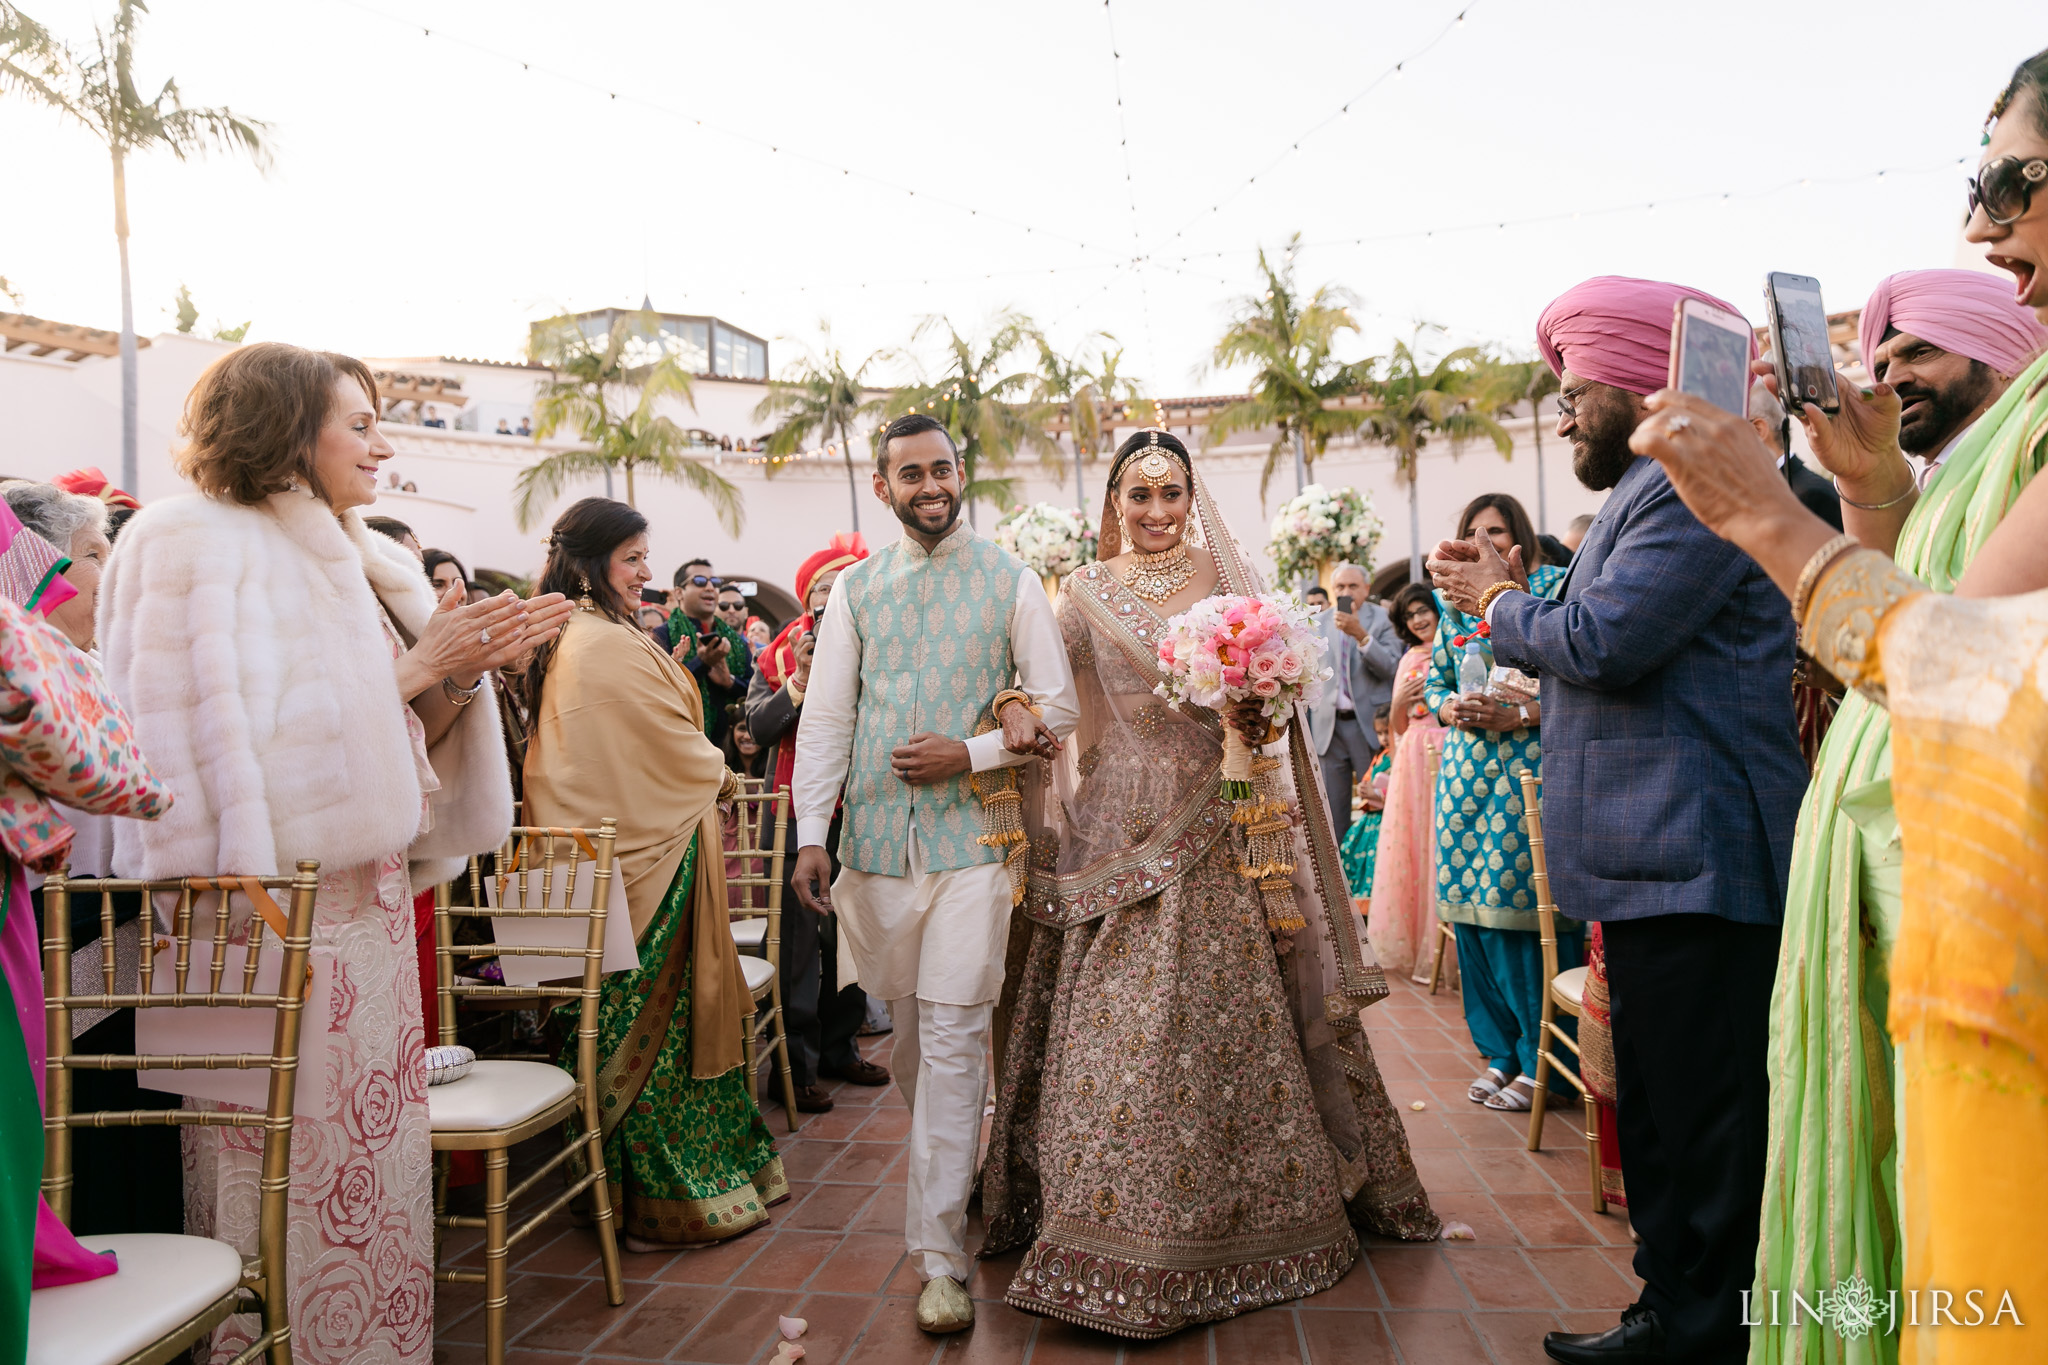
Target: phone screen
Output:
{"points": [[1344, 602], [1714, 364], [1806, 365]]}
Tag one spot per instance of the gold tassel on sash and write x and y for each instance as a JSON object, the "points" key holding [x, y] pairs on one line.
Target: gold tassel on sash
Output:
{"points": [[1269, 847], [1002, 815]]}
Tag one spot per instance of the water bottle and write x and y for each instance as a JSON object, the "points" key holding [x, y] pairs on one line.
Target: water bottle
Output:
{"points": [[1475, 669]]}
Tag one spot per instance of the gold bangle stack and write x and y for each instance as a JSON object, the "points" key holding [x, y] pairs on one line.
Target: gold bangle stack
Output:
{"points": [[1008, 695], [1809, 577], [1486, 598]]}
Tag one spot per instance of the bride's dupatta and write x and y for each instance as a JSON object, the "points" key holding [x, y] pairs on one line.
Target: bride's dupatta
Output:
{"points": [[1133, 802]]}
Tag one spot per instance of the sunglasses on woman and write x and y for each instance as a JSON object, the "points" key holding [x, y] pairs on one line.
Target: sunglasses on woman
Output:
{"points": [[2005, 188]]}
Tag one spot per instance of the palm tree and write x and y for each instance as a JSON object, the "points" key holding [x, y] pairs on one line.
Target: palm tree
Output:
{"points": [[606, 391], [1408, 405], [990, 414], [1086, 395], [97, 89], [1516, 382], [1288, 340], [817, 397]]}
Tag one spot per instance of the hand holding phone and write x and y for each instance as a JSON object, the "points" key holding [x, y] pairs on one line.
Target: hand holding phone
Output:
{"points": [[1710, 355]]}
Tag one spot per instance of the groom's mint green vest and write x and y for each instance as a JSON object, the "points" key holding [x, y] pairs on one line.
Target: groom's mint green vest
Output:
{"points": [[934, 650]]}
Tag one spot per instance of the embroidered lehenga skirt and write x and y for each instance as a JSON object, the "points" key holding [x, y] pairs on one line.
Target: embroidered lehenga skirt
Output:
{"points": [[687, 1160], [1179, 1172]]}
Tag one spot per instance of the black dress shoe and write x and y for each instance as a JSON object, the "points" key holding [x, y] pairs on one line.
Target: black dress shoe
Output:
{"points": [[1638, 1339]]}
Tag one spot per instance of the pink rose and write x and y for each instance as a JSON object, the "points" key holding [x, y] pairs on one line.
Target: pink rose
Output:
{"points": [[1290, 666], [1266, 687], [1265, 666]]}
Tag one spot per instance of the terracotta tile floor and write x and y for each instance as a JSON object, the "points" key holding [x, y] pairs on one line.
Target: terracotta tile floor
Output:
{"points": [[834, 1254]]}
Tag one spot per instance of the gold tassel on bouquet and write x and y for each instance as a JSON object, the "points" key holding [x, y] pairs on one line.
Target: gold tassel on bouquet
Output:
{"points": [[1269, 846], [1002, 817]]}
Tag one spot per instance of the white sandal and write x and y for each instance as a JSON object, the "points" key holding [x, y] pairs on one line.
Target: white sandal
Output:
{"points": [[1486, 1087], [1512, 1098]]}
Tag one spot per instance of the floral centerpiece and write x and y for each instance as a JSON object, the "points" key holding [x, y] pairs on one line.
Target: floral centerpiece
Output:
{"points": [[1222, 653], [1320, 525], [1051, 540]]}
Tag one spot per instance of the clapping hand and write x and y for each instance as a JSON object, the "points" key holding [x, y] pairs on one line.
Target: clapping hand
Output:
{"points": [[1464, 569], [463, 640]]}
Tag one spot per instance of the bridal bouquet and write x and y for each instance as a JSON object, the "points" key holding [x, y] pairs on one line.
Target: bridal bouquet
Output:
{"points": [[1320, 525], [1049, 539], [1226, 650]]}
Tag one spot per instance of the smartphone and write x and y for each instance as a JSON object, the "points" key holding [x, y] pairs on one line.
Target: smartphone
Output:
{"points": [[653, 597], [1799, 342], [1710, 355], [1344, 603]]}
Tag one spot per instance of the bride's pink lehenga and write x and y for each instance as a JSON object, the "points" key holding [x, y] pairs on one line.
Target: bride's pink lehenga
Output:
{"points": [[1189, 1121], [1401, 925]]}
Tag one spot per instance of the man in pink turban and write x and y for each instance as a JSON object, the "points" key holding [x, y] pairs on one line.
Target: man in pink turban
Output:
{"points": [[1609, 340], [1671, 785], [1949, 341]]}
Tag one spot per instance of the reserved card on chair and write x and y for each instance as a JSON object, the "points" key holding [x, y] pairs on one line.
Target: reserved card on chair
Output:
{"points": [[564, 891], [191, 1030]]}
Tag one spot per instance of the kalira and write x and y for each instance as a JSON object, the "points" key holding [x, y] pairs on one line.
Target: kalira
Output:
{"points": [[1485, 632]]}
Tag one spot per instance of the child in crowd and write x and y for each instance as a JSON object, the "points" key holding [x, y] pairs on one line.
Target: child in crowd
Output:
{"points": [[1362, 842]]}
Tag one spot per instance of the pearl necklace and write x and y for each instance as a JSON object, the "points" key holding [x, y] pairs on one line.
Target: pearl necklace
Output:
{"points": [[1158, 577]]}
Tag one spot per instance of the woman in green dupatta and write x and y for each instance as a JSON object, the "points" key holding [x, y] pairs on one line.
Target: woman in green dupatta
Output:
{"points": [[1831, 1211], [618, 730]]}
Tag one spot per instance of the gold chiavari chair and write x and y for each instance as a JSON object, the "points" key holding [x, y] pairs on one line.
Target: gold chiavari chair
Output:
{"points": [[1446, 937], [171, 1291], [1562, 990], [754, 897], [500, 1103]]}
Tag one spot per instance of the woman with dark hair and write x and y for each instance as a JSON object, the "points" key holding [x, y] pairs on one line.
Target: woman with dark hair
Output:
{"points": [[444, 571], [1189, 1123], [618, 730], [1401, 925], [301, 688], [1482, 878]]}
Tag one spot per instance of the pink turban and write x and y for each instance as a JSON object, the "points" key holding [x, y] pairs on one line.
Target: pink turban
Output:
{"points": [[1617, 330], [1962, 311]]}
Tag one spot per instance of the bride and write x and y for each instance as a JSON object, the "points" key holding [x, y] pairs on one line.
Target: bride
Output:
{"points": [[1189, 1120]]}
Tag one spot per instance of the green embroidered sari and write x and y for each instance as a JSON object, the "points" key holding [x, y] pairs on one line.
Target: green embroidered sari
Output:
{"points": [[1830, 1186], [693, 1158]]}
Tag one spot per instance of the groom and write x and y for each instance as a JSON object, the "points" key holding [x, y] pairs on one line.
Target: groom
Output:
{"points": [[918, 642]]}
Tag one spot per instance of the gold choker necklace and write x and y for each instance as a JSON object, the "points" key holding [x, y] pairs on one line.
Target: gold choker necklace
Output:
{"points": [[1158, 577]]}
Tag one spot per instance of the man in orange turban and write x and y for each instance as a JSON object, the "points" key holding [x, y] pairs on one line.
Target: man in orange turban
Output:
{"points": [[822, 1019]]}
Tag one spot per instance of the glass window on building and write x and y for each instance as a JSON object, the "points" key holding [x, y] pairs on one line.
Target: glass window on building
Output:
{"points": [[689, 343], [721, 351]]}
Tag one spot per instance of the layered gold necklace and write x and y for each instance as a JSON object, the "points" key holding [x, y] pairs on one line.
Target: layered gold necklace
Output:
{"points": [[1158, 577]]}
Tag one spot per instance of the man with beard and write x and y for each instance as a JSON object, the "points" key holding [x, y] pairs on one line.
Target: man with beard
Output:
{"points": [[1672, 778], [1948, 342], [925, 643]]}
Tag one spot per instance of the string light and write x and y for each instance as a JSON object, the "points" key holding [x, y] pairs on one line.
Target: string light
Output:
{"points": [[1123, 130], [734, 134], [1393, 72]]}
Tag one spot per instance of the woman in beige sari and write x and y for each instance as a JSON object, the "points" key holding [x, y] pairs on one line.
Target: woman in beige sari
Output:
{"points": [[618, 730], [1189, 1119]]}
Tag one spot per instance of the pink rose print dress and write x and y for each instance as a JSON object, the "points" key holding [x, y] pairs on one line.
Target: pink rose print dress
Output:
{"points": [[361, 1233]]}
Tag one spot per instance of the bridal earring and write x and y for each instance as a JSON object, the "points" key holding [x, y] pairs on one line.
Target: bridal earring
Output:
{"points": [[584, 603]]}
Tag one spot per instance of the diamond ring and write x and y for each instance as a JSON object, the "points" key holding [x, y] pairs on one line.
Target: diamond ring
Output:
{"points": [[1680, 422], [487, 634]]}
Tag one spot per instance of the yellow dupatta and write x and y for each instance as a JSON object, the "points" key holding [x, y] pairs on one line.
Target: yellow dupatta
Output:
{"points": [[620, 732]]}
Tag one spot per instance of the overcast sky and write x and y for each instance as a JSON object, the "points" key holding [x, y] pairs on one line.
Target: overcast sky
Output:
{"points": [[428, 195]]}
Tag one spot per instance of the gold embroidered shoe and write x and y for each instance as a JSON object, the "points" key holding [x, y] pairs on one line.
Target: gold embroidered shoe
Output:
{"points": [[944, 1306]]}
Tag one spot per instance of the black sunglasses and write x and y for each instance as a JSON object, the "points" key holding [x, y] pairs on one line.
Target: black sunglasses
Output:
{"points": [[2005, 188], [704, 580]]}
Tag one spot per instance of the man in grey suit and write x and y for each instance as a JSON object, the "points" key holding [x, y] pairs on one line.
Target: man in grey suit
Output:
{"points": [[1364, 652]]}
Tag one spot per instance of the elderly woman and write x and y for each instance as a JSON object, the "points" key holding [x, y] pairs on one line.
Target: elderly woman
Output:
{"points": [[292, 676], [618, 730], [78, 528]]}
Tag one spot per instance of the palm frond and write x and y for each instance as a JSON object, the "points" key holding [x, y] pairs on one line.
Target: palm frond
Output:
{"points": [[540, 483]]}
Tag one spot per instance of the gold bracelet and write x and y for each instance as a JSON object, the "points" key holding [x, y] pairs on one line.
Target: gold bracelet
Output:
{"points": [[1008, 695], [1486, 598], [1809, 577], [1912, 487]]}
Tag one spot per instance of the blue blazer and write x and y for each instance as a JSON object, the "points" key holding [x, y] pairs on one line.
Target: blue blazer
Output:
{"points": [[1671, 767]]}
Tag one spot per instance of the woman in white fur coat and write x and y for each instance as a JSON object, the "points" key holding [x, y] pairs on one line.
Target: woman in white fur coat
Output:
{"points": [[292, 677]]}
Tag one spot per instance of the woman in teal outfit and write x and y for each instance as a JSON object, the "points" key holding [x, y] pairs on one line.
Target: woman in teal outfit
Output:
{"points": [[1483, 880], [1361, 846]]}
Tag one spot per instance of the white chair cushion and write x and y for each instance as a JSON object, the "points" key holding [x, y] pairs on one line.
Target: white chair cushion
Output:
{"points": [[757, 971], [497, 1095], [750, 933], [163, 1281], [1570, 985]]}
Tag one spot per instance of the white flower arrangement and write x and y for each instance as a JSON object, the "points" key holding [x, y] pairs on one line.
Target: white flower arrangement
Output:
{"points": [[1324, 524], [1050, 539]]}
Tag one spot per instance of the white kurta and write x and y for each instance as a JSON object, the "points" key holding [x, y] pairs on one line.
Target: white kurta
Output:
{"points": [[930, 943]]}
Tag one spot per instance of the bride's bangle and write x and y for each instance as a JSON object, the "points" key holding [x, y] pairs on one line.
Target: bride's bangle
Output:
{"points": [[1911, 488]]}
